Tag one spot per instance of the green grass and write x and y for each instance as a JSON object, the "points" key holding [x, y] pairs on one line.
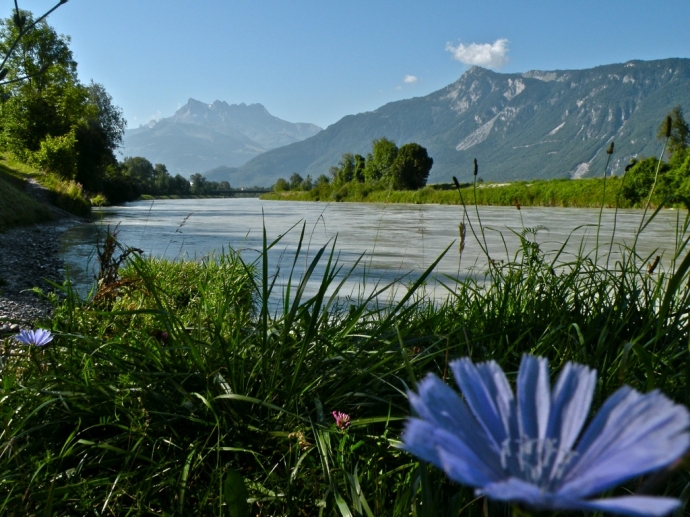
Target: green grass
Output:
{"points": [[179, 390], [19, 209], [580, 193], [16, 207]]}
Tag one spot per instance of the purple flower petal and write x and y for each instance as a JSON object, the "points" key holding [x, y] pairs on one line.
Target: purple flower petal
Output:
{"points": [[447, 452], [570, 402], [525, 452], [440, 408], [490, 398], [534, 399], [438, 404], [417, 440], [460, 462], [632, 434], [38, 337], [632, 505], [519, 491]]}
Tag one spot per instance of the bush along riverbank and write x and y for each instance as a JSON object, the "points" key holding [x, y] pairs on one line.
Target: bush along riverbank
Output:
{"points": [[177, 389], [582, 193]]}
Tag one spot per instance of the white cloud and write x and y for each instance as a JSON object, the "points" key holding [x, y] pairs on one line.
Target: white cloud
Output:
{"points": [[490, 55], [155, 117], [410, 79]]}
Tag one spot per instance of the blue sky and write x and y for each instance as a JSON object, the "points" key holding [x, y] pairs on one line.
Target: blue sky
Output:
{"points": [[317, 61]]}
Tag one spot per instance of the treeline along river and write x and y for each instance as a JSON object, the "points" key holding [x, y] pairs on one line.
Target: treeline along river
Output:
{"points": [[394, 241]]}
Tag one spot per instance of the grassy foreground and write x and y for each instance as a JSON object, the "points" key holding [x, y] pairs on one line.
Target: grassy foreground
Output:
{"points": [[177, 390]]}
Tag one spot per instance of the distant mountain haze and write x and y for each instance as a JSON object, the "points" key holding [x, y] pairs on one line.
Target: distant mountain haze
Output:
{"points": [[201, 136], [222, 173], [538, 124]]}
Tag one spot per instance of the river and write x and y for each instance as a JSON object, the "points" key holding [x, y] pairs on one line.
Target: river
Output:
{"points": [[393, 241]]}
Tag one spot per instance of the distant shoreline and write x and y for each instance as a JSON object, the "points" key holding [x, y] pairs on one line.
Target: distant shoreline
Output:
{"points": [[565, 193]]}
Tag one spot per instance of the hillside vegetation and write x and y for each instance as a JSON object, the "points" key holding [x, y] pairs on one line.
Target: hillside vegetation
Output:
{"points": [[647, 182], [542, 125], [18, 208]]}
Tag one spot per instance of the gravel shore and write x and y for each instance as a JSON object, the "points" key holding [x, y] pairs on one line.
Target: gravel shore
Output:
{"points": [[29, 257]]}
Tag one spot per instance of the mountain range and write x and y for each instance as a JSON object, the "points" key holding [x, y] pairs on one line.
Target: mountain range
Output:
{"points": [[538, 124], [202, 136]]}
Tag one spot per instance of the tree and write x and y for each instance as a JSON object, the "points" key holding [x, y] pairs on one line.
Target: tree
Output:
{"points": [[38, 106], [179, 186], [360, 164], [99, 127], [295, 181], [640, 178], [23, 27], [118, 186], [199, 184], [379, 162], [50, 118], [224, 185], [142, 171], [346, 169], [281, 185], [411, 167], [307, 184], [677, 132], [36, 56]]}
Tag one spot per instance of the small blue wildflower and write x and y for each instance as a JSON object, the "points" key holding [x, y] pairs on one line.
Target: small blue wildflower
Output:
{"points": [[38, 337], [528, 451]]}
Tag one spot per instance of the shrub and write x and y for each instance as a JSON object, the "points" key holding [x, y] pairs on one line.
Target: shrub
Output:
{"points": [[58, 155]]}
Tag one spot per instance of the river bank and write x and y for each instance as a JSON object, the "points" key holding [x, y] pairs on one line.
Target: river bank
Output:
{"points": [[29, 257], [564, 193]]}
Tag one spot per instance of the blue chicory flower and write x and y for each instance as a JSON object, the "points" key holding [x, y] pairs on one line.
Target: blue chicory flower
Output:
{"points": [[527, 450], [38, 337]]}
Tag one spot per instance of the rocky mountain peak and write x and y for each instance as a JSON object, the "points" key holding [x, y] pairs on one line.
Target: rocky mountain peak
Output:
{"points": [[536, 124], [201, 136]]}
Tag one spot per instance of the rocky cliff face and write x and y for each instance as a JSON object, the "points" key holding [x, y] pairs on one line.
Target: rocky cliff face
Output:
{"points": [[539, 124], [202, 136]]}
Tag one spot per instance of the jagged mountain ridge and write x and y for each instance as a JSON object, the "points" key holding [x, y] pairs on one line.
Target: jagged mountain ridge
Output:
{"points": [[202, 136], [538, 124]]}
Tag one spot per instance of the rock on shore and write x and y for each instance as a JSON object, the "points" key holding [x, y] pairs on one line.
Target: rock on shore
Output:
{"points": [[29, 257]]}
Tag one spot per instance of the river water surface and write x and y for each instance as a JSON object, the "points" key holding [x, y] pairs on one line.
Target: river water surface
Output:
{"points": [[393, 241]]}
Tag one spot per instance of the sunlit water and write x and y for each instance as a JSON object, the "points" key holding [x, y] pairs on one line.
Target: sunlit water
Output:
{"points": [[392, 242]]}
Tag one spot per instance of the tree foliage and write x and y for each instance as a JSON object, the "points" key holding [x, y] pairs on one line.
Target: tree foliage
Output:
{"points": [[676, 129], [404, 168], [386, 166], [379, 162], [49, 118], [411, 167]]}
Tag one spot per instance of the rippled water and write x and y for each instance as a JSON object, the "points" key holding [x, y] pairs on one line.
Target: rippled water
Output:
{"points": [[394, 241]]}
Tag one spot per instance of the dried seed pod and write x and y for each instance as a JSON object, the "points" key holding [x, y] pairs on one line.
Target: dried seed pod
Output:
{"points": [[476, 168], [462, 232], [457, 183], [610, 149], [652, 266], [18, 19], [669, 126]]}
